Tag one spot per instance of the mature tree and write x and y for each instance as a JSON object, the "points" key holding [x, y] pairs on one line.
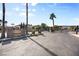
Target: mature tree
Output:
{"points": [[43, 26], [33, 30], [3, 21], [52, 16], [39, 29], [21, 26], [56, 27]]}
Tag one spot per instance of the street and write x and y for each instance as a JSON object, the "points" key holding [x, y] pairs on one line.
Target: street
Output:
{"points": [[48, 44]]}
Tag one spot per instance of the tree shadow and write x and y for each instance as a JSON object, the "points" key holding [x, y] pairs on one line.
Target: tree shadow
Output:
{"points": [[43, 35], [31, 35], [46, 49]]}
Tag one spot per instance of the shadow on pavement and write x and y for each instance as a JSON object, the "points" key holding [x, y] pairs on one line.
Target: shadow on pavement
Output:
{"points": [[43, 35], [46, 49], [8, 41], [31, 35]]}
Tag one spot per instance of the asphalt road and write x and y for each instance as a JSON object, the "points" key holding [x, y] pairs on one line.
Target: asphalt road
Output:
{"points": [[48, 44]]}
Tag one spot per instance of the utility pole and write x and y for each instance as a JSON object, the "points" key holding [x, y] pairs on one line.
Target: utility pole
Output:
{"points": [[26, 18], [3, 21]]}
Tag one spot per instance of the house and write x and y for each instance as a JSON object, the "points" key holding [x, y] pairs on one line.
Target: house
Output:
{"points": [[17, 27]]}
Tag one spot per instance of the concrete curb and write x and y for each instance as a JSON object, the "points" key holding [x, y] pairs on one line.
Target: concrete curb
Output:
{"points": [[10, 39]]}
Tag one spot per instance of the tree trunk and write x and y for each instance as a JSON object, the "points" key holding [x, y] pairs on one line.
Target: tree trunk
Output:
{"points": [[3, 21], [53, 23]]}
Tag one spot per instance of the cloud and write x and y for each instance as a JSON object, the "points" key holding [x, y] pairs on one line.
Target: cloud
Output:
{"points": [[23, 10], [34, 3], [43, 9], [33, 10], [16, 9], [0, 12], [30, 14], [24, 14], [24, 4], [29, 10], [6, 13]]}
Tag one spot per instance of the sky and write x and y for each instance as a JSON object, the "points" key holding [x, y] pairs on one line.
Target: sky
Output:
{"points": [[66, 13]]}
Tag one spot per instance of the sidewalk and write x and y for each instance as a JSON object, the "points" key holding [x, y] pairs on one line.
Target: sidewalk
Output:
{"points": [[74, 34]]}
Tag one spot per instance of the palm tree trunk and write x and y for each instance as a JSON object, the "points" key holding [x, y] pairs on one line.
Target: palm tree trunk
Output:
{"points": [[53, 23], [27, 18], [3, 21]]}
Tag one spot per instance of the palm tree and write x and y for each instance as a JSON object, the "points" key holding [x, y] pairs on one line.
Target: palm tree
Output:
{"points": [[3, 21], [52, 16], [26, 18]]}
